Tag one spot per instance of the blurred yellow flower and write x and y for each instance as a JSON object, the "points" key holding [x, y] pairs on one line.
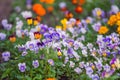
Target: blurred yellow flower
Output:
{"points": [[98, 13], [59, 53], [59, 27], [104, 54], [35, 22], [64, 23], [29, 21], [113, 66]]}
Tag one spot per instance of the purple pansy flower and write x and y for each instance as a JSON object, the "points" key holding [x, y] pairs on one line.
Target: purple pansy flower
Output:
{"points": [[107, 68], [95, 77], [24, 53], [22, 67], [70, 52], [35, 63], [96, 26], [2, 36], [78, 70], [48, 37], [21, 48], [112, 61], [6, 55], [40, 45], [51, 62], [89, 71], [43, 28], [55, 36]]}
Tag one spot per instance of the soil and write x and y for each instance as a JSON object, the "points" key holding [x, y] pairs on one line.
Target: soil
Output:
{"points": [[64, 78], [5, 9]]}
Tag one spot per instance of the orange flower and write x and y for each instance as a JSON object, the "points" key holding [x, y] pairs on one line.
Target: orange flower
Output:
{"points": [[50, 9], [38, 18], [37, 35], [68, 15], [81, 2], [74, 1], [49, 1], [118, 30], [77, 21], [36, 6], [12, 38], [103, 30], [118, 15], [78, 9], [39, 9], [50, 79]]}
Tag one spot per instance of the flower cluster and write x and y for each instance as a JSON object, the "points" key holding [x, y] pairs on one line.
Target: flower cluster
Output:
{"points": [[84, 47]]}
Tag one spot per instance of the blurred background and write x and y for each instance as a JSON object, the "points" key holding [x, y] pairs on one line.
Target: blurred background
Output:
{"points": [[54, 10]]}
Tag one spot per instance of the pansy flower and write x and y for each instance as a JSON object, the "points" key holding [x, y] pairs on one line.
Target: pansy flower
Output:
{"points": [[35, 21], [6, 55], [12, 38], [43, 28], [117, 63], [37, 35], [35, 63], [51, 62], [22, 67], [2, 36], [89, 71], [95, 77], [29, 21], [26, 14], [48, 37], [55, 36], [77, 70]]}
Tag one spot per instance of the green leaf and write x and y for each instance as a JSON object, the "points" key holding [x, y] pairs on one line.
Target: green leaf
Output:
{"points": [[37, 77], [28, 78], [5, 74]]}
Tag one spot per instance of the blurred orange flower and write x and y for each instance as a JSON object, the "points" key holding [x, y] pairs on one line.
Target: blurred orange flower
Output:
{"points": [[35, 6], [68, 15], [74, 1], [39, 9], [80, 2], [50, 8], [78, 9], [12, 38], [50, 79], [49, 1], [103, 30], [38, 18]]}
